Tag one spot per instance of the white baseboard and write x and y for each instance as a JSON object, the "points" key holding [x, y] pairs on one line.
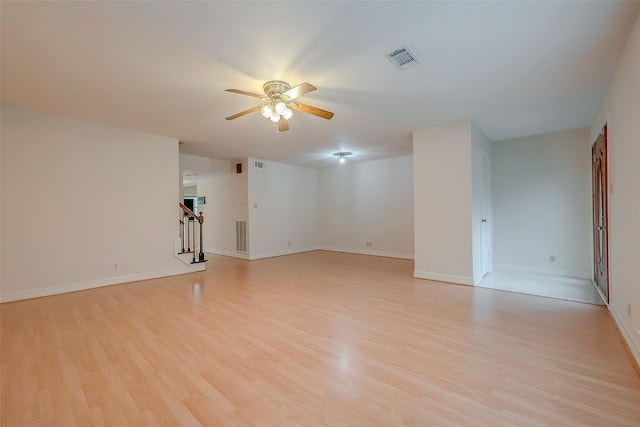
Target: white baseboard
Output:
{"points": [[460, 280], [241, 255], [281, 253], [89, 284], [543, 270], [272, 254], [367, 252], [626, 334]]}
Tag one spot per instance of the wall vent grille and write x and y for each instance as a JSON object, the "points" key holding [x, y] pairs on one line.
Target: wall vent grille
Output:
{"points": [[241, 236], [403, 58]]}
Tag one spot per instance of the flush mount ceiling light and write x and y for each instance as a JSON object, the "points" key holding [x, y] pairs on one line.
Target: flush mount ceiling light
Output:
{"points": [[278, 106], [342, 156]]}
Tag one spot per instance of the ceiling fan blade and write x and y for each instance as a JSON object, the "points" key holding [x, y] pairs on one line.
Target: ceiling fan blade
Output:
{"points": [[283, 124], [243, 113], [312, 110], [299, 90], [242, 92]]}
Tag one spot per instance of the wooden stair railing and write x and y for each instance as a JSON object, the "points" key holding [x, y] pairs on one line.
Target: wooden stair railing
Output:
{"points": [[191, 232]]}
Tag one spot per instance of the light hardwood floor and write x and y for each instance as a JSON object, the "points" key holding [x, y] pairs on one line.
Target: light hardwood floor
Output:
{"points": [[313, 339]]}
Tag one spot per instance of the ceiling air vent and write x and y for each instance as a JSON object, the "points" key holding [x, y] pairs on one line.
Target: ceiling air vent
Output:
{"points": [[403, 58]]}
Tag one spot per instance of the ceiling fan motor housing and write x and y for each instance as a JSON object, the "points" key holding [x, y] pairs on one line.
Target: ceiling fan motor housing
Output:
{"points": [[275, 88]]}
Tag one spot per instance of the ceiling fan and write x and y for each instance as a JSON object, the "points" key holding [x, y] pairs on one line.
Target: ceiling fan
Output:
{"points": [[278, 103]]}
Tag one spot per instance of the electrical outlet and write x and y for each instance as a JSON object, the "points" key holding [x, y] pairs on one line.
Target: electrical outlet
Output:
{"points": [[115, 267], [289, 244], [552, 258]]}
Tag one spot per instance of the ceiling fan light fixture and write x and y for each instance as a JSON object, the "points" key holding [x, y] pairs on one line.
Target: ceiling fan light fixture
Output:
{"points": [[266, 111], [275, 118], [287, 114], [280, 107]]}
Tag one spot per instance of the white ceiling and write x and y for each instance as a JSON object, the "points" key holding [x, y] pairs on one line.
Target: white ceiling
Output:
{"points": [[514, 68]]}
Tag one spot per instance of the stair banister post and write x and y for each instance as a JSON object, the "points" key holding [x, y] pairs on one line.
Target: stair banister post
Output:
{"points": [[201, 254], [193, 233], [182, 234]]}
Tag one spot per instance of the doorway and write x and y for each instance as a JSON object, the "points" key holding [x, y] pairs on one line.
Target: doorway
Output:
{"points": [[600, 214]]}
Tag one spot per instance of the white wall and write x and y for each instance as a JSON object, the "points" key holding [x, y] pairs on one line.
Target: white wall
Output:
{"points": [[190, 190], [622, 108], [442, 188], [283, 209], [542, 203], [190, 162], [77, 198], [368, 202], [226, 196]]}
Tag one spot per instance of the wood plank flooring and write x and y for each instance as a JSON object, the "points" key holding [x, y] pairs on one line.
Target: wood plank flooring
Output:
{"points": [[313, 339]]}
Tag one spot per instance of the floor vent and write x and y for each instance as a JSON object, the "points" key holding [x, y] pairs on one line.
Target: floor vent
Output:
{"points": [[241, 236], [403, 58]]}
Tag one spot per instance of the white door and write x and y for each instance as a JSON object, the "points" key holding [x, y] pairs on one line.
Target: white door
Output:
{"points": [[485, 233]]}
